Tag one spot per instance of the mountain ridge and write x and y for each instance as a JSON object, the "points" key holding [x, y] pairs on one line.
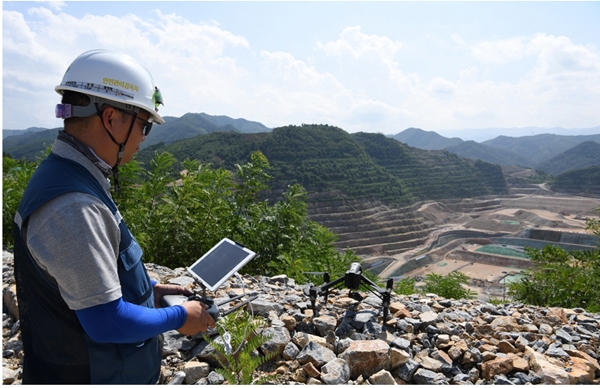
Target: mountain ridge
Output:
{"points": [[526, 151]]}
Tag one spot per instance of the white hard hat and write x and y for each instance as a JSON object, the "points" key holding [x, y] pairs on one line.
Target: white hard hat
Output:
{"points": [[114, 78]]}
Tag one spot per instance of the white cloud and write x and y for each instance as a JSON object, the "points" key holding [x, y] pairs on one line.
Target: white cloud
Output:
{"points": [[357, 81], [500, 51], [354, 43], [441, 86]]}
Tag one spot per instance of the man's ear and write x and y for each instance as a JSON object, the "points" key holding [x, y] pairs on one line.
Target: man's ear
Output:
{"points": [[109, 117]]}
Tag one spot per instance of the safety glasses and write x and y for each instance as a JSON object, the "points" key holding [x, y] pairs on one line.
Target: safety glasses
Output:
{"points": [[147, 124]]}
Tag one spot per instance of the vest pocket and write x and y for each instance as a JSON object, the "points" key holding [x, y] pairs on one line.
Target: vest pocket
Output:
{"points": [[131, 256]]}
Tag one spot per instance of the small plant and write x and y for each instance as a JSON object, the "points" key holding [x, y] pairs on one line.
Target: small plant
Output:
{"points": [[238, 348], [15, 177], [450, 286], [405, 286], [496, 301]]}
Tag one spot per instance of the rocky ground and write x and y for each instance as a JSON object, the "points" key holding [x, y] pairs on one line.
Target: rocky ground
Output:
{"points": [[426, 339]]}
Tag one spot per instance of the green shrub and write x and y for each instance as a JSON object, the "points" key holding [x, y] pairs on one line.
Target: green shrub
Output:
{"points": [[405, 286], [15, 176], [177, 218], [561, 279], [450, 286]]}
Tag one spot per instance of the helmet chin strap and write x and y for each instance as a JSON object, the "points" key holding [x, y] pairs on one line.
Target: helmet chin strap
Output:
{"points": [[115, 168]]}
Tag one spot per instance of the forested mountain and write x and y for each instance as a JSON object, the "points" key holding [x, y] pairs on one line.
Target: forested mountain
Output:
{"points": [[425, 140], [473, 150], [525, 151], [541, 152], [29, 143], [433, 174], [13, 132], [579, 182], [539, 148], [194, 124], [581, 156], [360, 166]]}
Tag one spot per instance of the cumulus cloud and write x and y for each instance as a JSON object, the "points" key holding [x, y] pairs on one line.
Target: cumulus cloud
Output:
{"points": [[358, 81], [500, 51], [356, 44]]}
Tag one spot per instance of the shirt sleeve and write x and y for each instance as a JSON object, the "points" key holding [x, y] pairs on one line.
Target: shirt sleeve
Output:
{"points": [[122, 322], [75, 239]]}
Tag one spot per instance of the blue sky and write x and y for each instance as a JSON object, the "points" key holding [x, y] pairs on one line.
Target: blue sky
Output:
{"points": [[361, 66]]}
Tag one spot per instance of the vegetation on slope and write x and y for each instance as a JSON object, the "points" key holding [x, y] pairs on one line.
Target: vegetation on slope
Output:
{"points": [[29, 145], [581, 156], [433, 174], [177, 219], [361, 166], [584, 181]]}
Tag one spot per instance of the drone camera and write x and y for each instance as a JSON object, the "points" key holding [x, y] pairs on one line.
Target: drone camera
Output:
{"points": [[353, 276]]}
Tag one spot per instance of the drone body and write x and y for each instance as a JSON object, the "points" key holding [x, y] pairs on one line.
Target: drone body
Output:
{"points": [[352, 280]]}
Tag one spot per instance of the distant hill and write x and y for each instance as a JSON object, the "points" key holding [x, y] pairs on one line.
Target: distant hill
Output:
{"points": [[31, 142], [472, 150], [482, 134], [539, 148], [323, 158], [425, 140], [581, 156], [525, 151], [585, 181], [194, 124], [13, 132]]}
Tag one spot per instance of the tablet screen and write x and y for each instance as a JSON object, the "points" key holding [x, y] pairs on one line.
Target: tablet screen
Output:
{"points": [[220, 262]]}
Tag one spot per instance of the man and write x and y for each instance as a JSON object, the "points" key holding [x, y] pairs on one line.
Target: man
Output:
{"points": [[89, 312]]}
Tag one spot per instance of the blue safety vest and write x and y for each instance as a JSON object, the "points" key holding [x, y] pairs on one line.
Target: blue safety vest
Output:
{"points": [[56, 348]]}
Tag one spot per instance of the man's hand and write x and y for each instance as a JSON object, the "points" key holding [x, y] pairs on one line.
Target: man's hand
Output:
{"points": [[161, 290], [198, 319]]}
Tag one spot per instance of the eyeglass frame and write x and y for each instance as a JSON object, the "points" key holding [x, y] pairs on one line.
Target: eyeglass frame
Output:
{"points": [[147, 123]]}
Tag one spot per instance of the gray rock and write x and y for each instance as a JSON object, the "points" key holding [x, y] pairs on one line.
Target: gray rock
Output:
{"points": [[280, 337], [177, 378], [383, 377], [205, 352], [563, 336], [325, 324], [461, 377], [555, 351], [415, 323], [401, 343], [194, 371], [502, 380], [345, 330], [335, 372], [362, 318], [262, 307], [316, 354], [406, 370], [215, 378], [342, 344], [183, 281], [428, 377], [290, 351]]}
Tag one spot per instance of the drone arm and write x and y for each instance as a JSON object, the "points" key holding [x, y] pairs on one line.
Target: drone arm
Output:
{"points": [[315, 291]]}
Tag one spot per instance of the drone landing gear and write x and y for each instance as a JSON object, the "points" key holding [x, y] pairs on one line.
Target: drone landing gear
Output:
{"points": [[352, 280]]}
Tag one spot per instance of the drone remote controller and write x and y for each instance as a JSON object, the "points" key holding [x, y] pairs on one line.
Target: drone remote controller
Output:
{"points": [[174, 300]]}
